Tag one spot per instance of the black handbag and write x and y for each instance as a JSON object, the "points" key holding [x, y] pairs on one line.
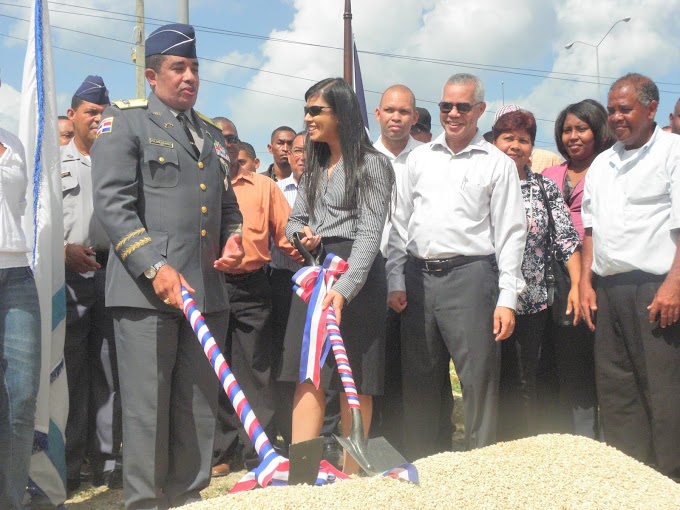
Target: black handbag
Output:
{"points": [[557, 277]]}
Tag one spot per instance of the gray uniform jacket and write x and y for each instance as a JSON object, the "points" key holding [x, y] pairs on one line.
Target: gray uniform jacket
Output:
{"points": [[81, 226], [157, 201]]}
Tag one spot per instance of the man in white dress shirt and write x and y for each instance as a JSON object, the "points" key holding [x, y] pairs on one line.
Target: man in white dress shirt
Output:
{"points": [[458, 237], [397, 115], [631, 215]]}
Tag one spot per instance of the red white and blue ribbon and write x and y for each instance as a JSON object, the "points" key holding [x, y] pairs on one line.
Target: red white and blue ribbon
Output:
{"points": [[312, 283], [273, 468]]}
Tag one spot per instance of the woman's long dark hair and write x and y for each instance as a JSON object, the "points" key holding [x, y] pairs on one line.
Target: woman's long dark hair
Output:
{"points": [[592, 113], [354, 142]]}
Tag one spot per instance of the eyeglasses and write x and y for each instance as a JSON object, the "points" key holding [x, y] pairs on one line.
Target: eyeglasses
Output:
{"points": [[446, 107], [231, 139], [316, 109], [298, 151]]}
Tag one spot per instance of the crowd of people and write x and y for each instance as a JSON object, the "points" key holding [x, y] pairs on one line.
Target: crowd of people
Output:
{"points": [[450, 243]]}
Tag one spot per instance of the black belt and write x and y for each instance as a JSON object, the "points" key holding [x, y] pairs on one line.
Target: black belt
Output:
{"points": [[438, 265], [102, 257], [239, 277]]}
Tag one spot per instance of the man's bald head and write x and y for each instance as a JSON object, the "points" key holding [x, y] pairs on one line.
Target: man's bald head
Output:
{"points": [[401, 89]]}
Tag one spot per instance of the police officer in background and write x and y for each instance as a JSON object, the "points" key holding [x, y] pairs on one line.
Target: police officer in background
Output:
{"points": [[159, 169], [89, 350]]}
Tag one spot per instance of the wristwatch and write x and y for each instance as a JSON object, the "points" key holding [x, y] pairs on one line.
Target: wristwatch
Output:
{"points": [[151, 272]]}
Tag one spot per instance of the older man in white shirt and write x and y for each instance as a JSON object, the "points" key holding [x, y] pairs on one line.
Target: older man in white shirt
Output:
{"points": [[458, 237], [631, 215]]}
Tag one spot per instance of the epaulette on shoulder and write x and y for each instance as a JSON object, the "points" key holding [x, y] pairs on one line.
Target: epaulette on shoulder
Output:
{"points": [[125, 104], [208, 120]]}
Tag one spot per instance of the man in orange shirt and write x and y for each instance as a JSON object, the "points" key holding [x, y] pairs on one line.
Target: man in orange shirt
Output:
{"points": [[249, 340]]}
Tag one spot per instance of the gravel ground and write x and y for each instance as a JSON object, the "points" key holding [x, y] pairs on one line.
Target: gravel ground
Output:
{"points": [[549, 472]]}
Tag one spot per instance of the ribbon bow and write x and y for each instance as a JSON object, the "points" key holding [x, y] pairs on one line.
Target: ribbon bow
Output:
{"points": [[312, 284]]}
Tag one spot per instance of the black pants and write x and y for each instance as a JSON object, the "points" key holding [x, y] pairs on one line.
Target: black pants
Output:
{"points": [[281, 284], [574, 355], [449, 315], [94, 425], [248, 351], [520, 353], [388, 408], [637, 368]]}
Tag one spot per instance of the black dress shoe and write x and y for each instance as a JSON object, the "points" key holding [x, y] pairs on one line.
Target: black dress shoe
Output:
{"points": [[72, 485], [116, 478], [332, 452]]}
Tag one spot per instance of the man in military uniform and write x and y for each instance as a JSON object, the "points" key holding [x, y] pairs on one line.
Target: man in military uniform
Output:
{"points": [[159, 170], [89, 351]]}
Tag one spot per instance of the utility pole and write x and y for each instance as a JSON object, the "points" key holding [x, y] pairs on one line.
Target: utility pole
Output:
{"points": [[139, 49], [183, 11], [349, 47]]}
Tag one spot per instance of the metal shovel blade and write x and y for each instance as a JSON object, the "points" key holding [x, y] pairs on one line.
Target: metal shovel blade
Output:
{"points": [[374, 456], [304, 458]]}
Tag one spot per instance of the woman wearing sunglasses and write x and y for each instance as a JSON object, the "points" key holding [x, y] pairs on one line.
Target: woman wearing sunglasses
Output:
{"points": [[514, 134], [581, 133], [341, 207]]}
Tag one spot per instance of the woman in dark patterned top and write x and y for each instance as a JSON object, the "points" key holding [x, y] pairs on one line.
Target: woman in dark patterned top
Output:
{"points": [[514, 134], [341, 205]]}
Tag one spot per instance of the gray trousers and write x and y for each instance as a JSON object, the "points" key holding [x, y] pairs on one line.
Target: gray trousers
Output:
{"points": [[637, 370], [94, 419], [169, 395], [449, 316]]}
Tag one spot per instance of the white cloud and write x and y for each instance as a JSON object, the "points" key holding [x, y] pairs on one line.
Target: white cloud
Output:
{"points": [[528, 34], [235, 62]]}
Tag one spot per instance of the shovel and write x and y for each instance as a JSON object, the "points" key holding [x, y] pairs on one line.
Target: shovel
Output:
{"points": [[375, 455]]}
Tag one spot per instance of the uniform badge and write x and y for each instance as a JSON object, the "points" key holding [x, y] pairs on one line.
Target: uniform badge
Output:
{"points": [[221, 151], [105, 126], [161, 143]]}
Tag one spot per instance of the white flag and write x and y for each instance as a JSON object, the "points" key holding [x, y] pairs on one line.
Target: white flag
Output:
{"points": [[44, 228]]}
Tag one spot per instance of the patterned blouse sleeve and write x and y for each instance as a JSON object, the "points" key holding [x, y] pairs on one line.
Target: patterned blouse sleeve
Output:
{"points": [[567, 236]]}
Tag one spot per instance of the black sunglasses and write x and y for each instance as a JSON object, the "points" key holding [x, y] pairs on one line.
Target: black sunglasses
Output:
{"points": [[316, 109], [231, 139], [446, 107]]}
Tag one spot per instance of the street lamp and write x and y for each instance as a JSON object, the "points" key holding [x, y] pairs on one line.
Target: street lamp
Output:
{"points": [[597, 54]]}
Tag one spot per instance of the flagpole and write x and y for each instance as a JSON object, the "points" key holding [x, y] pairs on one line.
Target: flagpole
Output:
{"points": [[347, 16], [140, 64]]}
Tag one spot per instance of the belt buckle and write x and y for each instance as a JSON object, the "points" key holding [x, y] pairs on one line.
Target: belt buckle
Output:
{"points": [[433, 269]]}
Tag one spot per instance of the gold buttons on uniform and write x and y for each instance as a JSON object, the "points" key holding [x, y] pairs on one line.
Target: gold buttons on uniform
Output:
{"points": [[203, 187], [204, 233], [200, 165], [161, 159], [204, 209]]}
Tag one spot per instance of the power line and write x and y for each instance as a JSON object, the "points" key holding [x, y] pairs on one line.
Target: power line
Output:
{"points": [[527, 72], [132, 64], [438, 61]]}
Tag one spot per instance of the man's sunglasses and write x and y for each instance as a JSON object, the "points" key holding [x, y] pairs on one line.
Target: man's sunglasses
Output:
{"points": [[231, 139], [446, 107], [316, 109]]}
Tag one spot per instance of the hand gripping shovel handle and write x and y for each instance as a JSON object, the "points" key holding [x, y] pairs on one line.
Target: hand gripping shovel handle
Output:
{"points": [[226, 377]]}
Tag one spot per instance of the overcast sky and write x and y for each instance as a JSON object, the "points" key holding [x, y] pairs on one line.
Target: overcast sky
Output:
{"points": [[284, 46]]}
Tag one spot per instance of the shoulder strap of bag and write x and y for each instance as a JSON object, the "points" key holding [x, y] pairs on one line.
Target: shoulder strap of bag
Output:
{"points": [[551, 221]]}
